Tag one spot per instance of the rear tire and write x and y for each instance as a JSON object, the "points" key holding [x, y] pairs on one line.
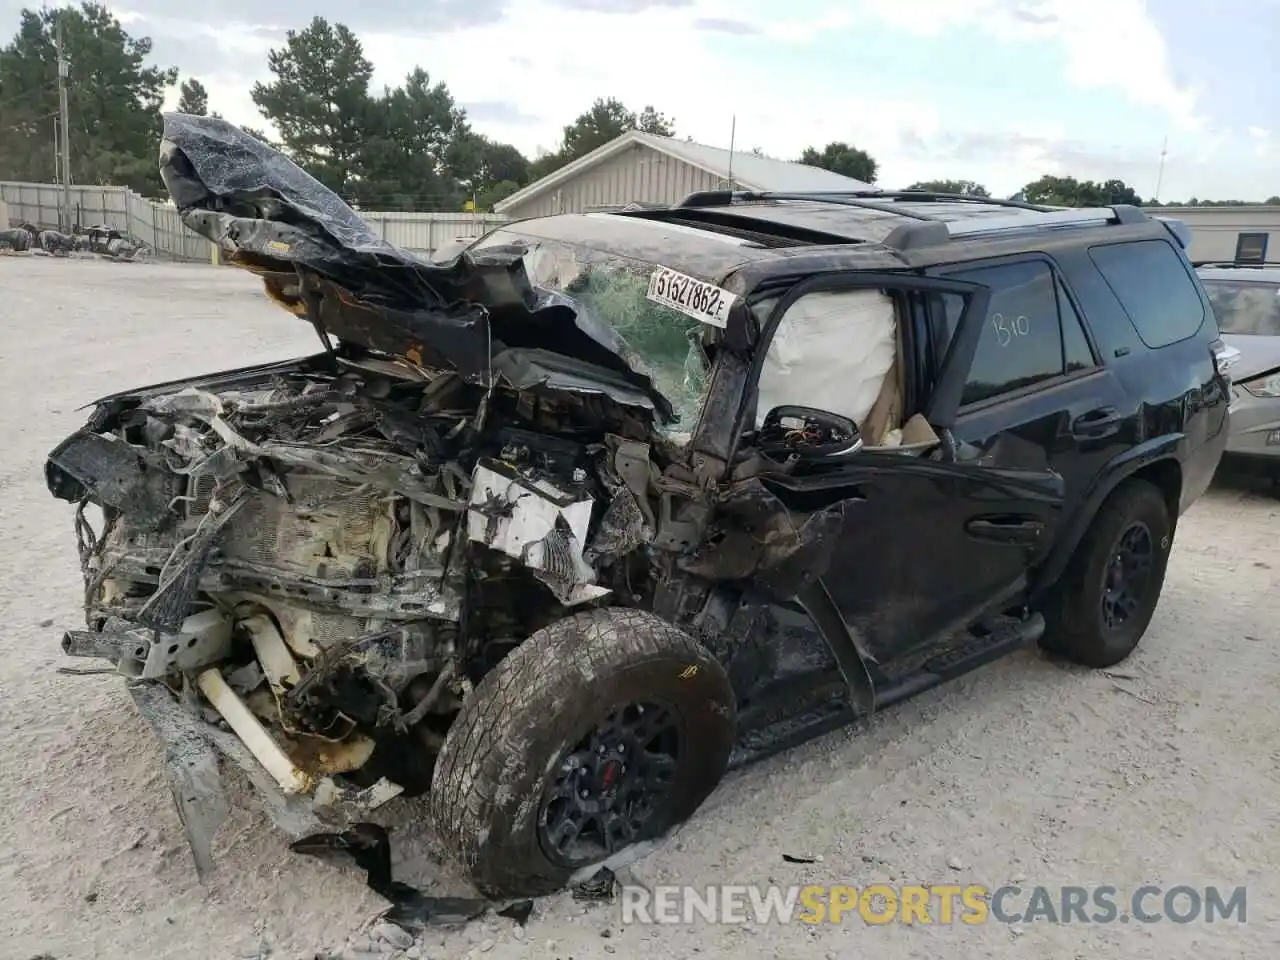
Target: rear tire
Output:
{"points": [[515, 752], [1103, 604]]}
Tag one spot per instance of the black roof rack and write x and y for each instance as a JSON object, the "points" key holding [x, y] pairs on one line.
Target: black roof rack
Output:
{"points": [[931, 231], [853, 198], [863, 199], [1235, 263]]}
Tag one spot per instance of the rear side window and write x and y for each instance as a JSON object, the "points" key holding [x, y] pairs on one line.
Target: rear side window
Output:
{"points": [[1252, 308], [1031, 333], [1153, 286]]}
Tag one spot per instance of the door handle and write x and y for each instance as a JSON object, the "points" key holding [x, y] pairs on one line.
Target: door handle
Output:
{"points": [[1095, 421], [1021, 532]]}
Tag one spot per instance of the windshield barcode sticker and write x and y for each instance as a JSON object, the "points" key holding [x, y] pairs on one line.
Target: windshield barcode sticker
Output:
{"points": [[694, 298]]}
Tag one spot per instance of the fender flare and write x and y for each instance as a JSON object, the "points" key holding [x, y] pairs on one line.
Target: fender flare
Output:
{"points": [[1117, 471]]}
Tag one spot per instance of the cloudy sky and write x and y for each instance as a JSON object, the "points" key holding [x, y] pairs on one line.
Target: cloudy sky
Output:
{"points": [[998, 91]]}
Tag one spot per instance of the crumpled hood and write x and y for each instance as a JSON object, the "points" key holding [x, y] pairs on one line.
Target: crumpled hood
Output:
{"points": [[1258, 354], [322, 262]]}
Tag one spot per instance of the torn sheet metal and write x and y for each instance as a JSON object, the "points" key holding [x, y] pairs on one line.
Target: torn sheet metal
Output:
{"points": [[203, 638], [537, 523], [272, 217], [346, 801], [191, 767], [331, 551], [763, 541], [115, 474], [368, 847], [192, 747]]}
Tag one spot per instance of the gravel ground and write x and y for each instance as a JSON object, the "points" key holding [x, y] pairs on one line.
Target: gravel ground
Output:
{"points": [[1166, 772]]}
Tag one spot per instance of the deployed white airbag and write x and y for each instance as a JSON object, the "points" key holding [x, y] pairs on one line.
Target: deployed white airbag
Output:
{"points": [[832, 351]]}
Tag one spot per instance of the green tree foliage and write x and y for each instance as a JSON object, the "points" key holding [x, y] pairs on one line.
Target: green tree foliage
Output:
{"points": [[495, 193], [319, 101], [194, 98], [963, 188], [1194, 202], [487, 171], [650, 120], [410, 134], [606, 119], [1070, 192], [843, 159], [407, 148], [113, 98]]}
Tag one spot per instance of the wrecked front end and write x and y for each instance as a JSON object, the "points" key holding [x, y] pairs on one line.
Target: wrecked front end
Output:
{"points": [[306, 567]]}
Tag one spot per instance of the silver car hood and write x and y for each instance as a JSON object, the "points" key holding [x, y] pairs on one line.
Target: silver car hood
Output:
{"points": [[1258, 354]]}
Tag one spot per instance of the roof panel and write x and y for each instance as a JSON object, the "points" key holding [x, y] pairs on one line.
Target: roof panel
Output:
{"points": [[857, 223], [700, 253]]}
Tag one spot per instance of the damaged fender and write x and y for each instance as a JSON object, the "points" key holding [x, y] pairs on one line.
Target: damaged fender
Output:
{"points": [[788, 553]]}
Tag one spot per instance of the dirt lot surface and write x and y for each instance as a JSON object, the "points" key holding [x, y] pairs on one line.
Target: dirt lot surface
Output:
{"points": [[1166, 772]]}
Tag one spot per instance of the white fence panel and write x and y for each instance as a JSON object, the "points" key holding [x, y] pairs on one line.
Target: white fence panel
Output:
{"points": [[159, 226], [425, 232]]}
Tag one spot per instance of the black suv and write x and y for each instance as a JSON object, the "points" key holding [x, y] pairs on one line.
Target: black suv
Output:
{"points": [[559, 529]]}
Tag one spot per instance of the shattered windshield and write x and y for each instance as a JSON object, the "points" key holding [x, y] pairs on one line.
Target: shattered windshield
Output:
{"points": [[613, 290]]}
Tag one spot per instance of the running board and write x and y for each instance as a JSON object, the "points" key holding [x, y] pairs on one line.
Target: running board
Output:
{"points": [[956, 661], [827, 707]]}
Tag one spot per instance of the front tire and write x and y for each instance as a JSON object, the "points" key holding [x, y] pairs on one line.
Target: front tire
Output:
{"points": [[601, 732], [1102, 606]]}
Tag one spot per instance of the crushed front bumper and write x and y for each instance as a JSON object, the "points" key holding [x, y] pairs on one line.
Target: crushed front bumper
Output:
{"points": [[194, 748]]}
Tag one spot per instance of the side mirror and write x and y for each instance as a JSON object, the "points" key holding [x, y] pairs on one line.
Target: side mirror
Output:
{"points": [[807, 433]]}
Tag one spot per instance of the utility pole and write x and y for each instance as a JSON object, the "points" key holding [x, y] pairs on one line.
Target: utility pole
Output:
{"points": [[64, 121], [733, 130], [1164, 152]]}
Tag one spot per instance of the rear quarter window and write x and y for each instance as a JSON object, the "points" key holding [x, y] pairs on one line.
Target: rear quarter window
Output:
{"points": [[1154, 288]]}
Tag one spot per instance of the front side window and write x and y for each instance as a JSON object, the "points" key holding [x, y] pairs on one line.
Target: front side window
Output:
{"points": [[667, 346], [1154, 288], [1031, 332], [1245, 307]]}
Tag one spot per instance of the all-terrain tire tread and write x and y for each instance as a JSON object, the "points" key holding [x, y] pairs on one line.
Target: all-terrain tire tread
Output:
{"points": [[564, 656]]}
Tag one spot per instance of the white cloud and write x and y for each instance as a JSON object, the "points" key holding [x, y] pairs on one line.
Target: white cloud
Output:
{"points": [[1109, 44], [657, 58], [548, 63], [1262, 142]]}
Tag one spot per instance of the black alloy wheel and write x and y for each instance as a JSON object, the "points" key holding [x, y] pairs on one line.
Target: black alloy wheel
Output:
{"points": [[609, 785], [1128, 576]]}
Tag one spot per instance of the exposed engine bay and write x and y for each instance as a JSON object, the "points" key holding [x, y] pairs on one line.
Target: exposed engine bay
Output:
{"points": [[335, 549]]}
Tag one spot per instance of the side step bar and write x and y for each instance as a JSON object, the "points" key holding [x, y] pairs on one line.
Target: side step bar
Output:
{"points": [[760, 740], [957, 661]]}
